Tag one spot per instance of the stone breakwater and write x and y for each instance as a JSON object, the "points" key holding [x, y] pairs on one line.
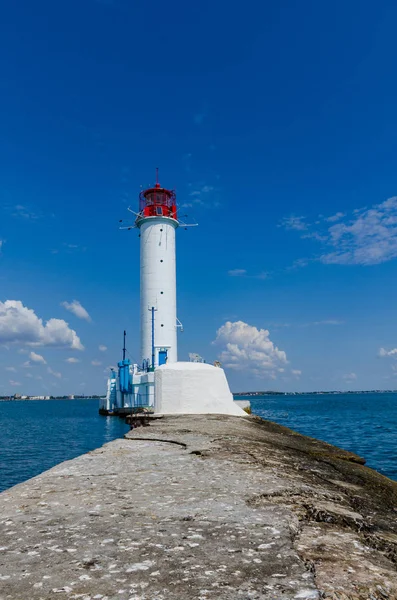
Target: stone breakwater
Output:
{"points": [[202, 507]]}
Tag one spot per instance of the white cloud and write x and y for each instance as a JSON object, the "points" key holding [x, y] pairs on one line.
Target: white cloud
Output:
{"points": [[23, 212], [21, 325], [14, 383], [383, 352], [325, 322], [54, 373], [200, 191], [201, 194], [72, 360], [293, 222], [337, 217], [246, 348], [77, 309], [11, 369], [329, 322], [37, 358], [309, 324], [299, 263], [296, 372], [102, 348], [314, 235], [244, 273], [367, 237], [96, 363], [349, 377]]}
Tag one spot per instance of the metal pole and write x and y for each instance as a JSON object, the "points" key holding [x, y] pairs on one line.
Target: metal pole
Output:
{"points": [[153, 309], [124, 345]]}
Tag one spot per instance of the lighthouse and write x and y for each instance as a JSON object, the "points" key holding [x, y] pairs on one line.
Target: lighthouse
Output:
{"points": [[159, 382], [157, 222]]}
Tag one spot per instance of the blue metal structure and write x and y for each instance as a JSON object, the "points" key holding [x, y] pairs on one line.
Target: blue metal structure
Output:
{"points": [[125, 377], [162, 357]]}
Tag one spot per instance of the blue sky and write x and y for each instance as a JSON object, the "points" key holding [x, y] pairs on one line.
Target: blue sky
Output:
{"points": [[276, 123]]}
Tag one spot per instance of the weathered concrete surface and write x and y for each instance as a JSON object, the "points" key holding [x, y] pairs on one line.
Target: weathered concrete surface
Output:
{"points": [[202, 507]]}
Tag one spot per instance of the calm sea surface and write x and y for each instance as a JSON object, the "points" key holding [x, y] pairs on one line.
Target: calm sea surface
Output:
{"points": [[38, 434], [35, 435], [362, 423]]}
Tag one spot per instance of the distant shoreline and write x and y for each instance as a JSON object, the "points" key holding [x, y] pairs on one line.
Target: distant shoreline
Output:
{"points": [[8, 399], [334, 392], [236, 395]]}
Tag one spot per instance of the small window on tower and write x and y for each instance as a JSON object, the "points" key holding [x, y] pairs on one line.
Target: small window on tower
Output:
{"points": [[159, 210]]}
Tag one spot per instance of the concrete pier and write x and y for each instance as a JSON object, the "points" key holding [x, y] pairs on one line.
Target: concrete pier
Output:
{"points": [[202, 507]]}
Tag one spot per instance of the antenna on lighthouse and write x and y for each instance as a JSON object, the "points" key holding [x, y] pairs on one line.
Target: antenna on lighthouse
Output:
{"points": [[157, 177], [125, 333]]}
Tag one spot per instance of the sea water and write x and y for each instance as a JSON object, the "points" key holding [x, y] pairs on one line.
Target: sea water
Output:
{"points": [[362, 423], [35, 435]]}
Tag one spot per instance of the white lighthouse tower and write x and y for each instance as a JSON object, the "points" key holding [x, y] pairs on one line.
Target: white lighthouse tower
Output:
{"points": [[157, 222], [160, 383]]}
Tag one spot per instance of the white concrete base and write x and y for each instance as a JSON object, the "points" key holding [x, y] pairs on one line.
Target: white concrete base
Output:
{"points": [[243, 404], [143, 384], [193, 388]]}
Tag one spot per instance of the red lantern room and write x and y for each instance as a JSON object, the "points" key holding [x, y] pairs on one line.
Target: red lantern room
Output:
{"points": [[157, 202]]}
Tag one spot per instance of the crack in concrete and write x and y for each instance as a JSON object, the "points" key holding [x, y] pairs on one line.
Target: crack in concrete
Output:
{"points": [[153, 439]]}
